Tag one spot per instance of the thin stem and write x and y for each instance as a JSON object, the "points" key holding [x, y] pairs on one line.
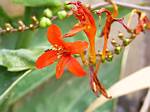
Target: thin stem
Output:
{"points": [[94, 6], [133, 6], [2, 31]]}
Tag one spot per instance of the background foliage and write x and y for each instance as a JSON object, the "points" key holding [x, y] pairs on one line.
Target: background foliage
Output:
{"points": [[25, 89]]}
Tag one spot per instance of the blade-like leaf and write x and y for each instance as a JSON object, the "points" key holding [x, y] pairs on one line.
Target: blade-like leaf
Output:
{"points": [[134, 82], [67, 94], [7, 78], [23, 84]]}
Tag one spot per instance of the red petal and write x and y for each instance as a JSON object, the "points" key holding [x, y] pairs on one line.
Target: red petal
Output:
{"points": [[75, 67], [76, 47], [83, 11], [77, 28], [46, 59], [88, 15], [54, 35], [140, 26], [60, 66]]}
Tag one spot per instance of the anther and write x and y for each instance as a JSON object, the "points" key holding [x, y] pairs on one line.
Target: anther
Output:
{"points": [[58, 55]]}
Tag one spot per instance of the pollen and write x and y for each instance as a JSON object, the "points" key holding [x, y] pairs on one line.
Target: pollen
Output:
{"points": [[56, 47], [88, 27], [59, 55]]}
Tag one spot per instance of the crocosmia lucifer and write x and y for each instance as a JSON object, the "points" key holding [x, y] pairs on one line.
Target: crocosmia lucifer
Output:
{"points": [[62, 51], [87, 24], [107, 27], [143, 22]]}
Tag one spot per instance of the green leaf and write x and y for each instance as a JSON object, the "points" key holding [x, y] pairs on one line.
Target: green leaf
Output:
{"points": [[34, 3], [69, 94], [23, 84], [18, 60], [7, 78]]}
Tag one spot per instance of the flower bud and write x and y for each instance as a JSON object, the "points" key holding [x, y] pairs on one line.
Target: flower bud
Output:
{"points": [[118, 50], [126, 42], [45, 22], [48, 13], [62, 14], [121, 36], [109, 57]]}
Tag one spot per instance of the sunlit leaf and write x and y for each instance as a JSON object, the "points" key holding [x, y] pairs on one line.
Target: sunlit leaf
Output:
{"points": [[18, 60]]}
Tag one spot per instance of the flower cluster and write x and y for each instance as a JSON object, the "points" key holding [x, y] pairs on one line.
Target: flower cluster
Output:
{"points": [[64, 51]]}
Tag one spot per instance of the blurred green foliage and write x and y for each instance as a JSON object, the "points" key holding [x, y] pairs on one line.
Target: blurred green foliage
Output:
{"points": [[25, 89]]}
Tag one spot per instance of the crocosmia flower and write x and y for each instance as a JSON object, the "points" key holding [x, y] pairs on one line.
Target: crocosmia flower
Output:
{"points": [[87, 24], [107, 27], [143, 21], [62, 51]]}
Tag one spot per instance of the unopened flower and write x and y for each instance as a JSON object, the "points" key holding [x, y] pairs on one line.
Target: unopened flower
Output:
{"points": [[87, 24], [107, 27]]}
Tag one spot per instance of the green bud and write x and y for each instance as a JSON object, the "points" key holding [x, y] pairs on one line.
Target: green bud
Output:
{"points": [[113, 42], [67, 6], [126, 42], [118, 50], [62, 14], [48, 13], [120, 35], [45, 22], [110, 57]]}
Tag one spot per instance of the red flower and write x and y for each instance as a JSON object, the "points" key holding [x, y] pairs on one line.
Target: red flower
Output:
{"points": [[142, 22], [106, 30], [62, 51], [87, 24]]}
